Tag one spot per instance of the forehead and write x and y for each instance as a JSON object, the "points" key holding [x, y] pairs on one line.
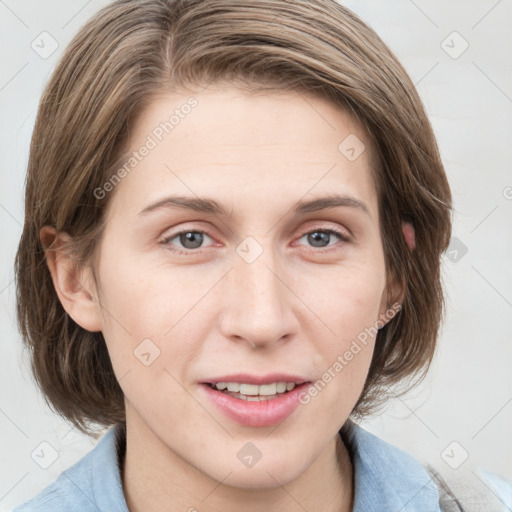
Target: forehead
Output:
{"points": [[245, 148]]}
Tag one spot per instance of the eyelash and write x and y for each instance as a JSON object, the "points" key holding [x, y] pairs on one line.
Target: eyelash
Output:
{"points": [[343, 238]]}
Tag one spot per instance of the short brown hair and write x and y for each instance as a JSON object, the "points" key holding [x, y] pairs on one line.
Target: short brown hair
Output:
{"points": [[134, 49]]}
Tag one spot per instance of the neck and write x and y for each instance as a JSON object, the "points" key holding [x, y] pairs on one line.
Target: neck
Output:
{"points": [[157, 479]]}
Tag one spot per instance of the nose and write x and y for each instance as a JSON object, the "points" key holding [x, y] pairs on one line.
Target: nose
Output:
{"points": [[258, 303]]}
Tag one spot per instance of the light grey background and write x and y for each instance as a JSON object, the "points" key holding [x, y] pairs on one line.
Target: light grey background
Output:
{"points": [[464, 407]]}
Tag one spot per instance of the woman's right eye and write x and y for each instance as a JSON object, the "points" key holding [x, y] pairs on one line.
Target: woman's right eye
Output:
{"points": [[189, 239]]}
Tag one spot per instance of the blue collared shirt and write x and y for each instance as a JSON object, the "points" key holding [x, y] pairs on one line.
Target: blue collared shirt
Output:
{"points": [[385, 479]]}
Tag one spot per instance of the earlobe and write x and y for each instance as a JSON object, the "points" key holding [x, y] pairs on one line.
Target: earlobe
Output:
{"points": [[73, 284]]}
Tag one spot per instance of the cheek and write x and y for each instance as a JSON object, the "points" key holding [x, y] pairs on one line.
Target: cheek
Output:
{"points": [[348, 304], [343, 359], [154, 313], [146, 297], [347, 298]]}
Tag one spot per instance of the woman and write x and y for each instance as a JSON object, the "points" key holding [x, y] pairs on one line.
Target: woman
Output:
{"points": [[242, 209]]}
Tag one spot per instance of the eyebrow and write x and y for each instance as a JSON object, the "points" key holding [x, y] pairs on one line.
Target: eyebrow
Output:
{"points": [[210, 206]]}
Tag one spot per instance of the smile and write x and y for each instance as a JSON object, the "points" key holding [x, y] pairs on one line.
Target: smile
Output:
{"points": [[253, 392]]}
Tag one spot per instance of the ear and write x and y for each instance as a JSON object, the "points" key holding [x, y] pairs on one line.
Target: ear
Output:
{"points": [[409, 234], [74, 284]]}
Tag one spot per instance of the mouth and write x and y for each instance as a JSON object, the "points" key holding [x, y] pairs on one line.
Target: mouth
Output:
{"points": [[253, 388], [261, 402]]}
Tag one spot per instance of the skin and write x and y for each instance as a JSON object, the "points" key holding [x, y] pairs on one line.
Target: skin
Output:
{"points": [[294, 309]]}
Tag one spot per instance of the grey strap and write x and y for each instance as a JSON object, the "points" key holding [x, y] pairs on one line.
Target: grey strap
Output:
{"points": [[447, 500], [464, 492]]}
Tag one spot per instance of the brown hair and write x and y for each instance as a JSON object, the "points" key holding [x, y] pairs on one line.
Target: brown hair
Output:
{"points": [[131, 51]]}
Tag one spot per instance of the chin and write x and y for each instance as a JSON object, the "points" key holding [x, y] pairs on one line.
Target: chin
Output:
{"points": [[261, 475], [258, 481]]}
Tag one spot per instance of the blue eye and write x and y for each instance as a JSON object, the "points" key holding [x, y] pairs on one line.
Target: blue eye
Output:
{"points": [[320, 238], [190, 240]]}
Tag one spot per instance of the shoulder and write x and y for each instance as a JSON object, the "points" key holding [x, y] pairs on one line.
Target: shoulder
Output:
{"points": [[90, 484], [386, 477], [57, 497]]}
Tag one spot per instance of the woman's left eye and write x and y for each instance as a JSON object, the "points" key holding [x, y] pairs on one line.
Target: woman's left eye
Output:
{"points": [[191, 240], [319, 237]]}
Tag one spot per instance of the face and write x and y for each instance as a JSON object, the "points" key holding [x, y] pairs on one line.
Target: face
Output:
{"points": [[270, 286]]}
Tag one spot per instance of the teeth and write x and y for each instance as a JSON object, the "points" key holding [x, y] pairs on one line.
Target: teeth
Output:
{"points": [[252, 390], [264, 389], [249, 389]]}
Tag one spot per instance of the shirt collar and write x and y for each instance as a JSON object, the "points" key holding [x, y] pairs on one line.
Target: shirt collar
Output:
{"points": [[385, 477], [105, 473]]}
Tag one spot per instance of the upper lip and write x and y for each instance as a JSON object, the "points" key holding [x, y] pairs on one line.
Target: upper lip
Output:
{"points": [[246, 378]]}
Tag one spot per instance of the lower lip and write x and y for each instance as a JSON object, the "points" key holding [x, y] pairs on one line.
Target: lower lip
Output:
{"points": [[263, 413]]}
